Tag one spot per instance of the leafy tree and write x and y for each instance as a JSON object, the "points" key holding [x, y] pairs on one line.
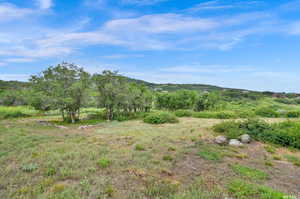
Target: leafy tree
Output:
{"points": [[181, 99], [62, 87], [118, 96], [208, 101]]}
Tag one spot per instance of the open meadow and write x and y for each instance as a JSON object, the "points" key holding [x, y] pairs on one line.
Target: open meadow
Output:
{"points": [[135, 160]]}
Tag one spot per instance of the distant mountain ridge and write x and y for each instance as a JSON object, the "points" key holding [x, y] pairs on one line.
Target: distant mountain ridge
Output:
{"points": [[10, 85]]}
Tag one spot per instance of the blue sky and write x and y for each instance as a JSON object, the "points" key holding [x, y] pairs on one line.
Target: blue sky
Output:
{"points": [[251, 44]]}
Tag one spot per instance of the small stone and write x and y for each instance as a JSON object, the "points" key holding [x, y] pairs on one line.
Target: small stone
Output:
{"points": [[221, 140], [245, 138], [61, 127], [235, 142]]}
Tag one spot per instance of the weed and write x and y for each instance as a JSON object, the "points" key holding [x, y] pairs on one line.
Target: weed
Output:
{"points": [[242, 190], [139, 147], [210, 154], [251, 173], [167, 158], [104, 163], [29, 167], [270, 149]]}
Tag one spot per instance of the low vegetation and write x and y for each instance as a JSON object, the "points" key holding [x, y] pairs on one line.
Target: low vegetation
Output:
{"points": [[285, 133], [69, 134]]}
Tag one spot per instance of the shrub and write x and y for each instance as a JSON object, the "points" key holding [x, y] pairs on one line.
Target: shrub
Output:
{"points": [[29, 168], [160, 118], [266, 112], [230, 128], [215, 115], [139, 147], [183, 113], [293, 114], [284, 133]]}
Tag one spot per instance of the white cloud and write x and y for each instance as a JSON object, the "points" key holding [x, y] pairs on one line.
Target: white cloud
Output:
{"points": [[221, 5], [10, 11], [161, 23], [19, 60], [44, 4]]}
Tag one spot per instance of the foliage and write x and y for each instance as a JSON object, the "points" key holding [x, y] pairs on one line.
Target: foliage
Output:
{"points": [[181, 99], [293, 114], [160, 118], [62, 87], [284, 133], [215, 115], [183, 113], [16, 112], [208, 101], [267, 112], [116, 95]]}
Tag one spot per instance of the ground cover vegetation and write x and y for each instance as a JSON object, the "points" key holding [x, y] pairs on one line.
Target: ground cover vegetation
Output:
{"points": [[70, 134]]}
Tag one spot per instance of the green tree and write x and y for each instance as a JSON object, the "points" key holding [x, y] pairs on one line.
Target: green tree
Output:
{"points": [[62, 87]]}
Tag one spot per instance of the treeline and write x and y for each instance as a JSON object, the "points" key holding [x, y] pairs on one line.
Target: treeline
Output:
{"points": [[66, 88]]}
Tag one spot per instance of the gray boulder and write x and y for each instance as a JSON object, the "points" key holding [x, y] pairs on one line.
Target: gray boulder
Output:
{"points": [[222, 140], [245, 138], [235, 142]]}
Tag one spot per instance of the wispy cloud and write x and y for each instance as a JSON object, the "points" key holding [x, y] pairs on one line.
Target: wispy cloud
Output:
{"points": [[221, 5], [142, 2], [18, 60], [10, 11], [45, 4]]}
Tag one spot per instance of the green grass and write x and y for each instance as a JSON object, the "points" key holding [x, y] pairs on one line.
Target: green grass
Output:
{"points": [[211, 153], [293, 159], [16, 112], [250, 173], [102, 162], [242, 190]]}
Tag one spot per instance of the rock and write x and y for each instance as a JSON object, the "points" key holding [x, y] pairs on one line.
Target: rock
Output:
{"points": [[235, 142], [85, 127], [221, 140], [61, 127], [245, 138]]}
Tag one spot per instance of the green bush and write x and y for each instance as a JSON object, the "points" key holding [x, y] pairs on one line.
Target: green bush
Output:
{"points": [[284, 133], [183, 113], [229, 128], [160, 118], [293, 114], [215, 115], [267, 112]]}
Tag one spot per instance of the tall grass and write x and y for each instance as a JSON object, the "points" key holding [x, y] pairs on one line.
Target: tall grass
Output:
{"points": [[16, 111]]}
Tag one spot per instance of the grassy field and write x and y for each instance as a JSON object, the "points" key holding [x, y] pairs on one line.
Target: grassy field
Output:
{"points": [[135, 160]]}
